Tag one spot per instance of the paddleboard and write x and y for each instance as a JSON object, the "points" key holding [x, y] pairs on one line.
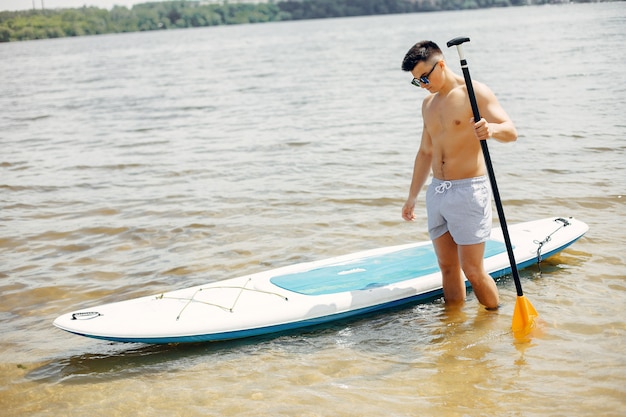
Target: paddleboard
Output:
{"points": [[307, 294]]}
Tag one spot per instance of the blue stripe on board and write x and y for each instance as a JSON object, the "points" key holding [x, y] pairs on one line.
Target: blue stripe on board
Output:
{"points": [[371, 272], [492, 248]]}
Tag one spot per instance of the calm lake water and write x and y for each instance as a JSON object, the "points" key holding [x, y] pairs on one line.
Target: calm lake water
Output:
{"points": [[139, 163]]}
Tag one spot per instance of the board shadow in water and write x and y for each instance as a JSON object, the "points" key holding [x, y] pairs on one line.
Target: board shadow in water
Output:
{"points": [[125, 360], [115, 360]]}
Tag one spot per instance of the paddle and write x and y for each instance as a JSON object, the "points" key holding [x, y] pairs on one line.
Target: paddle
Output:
{"points": [[524, 314]]}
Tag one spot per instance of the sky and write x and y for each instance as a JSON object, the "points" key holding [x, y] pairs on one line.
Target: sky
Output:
{"points": [[11, 5]]}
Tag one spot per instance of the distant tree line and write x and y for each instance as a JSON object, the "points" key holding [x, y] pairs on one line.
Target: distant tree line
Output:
{"points": [[56, 23]]}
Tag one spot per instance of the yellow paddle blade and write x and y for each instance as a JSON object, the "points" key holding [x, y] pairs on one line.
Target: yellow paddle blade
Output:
{"points": [[523, 317]]}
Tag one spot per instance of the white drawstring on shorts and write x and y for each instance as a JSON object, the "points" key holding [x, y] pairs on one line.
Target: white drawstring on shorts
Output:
{"points": [[441, 188]]}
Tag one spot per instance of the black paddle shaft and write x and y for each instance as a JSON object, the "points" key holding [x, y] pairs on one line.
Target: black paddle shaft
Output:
{"points": [[492, 176]]}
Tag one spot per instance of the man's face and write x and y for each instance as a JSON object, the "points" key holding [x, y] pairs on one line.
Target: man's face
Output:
{"points": [[423, 72]]}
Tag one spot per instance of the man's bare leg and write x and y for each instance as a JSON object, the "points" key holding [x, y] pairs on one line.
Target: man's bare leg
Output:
{"points": [[453, 281], [483, 285]]}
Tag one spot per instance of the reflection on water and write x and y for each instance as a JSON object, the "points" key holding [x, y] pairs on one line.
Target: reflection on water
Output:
{"points": [[134, 164]]}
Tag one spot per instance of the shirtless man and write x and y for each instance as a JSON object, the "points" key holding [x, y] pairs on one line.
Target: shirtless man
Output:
{"points": [[458, 200]]}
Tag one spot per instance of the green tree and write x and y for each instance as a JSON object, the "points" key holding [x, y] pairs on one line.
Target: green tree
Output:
{"points": [[123, 20], [6, 33], [39, 24]]}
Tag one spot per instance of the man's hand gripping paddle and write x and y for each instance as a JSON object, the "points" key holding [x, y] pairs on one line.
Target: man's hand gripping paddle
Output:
{"points": [[524, 314]]}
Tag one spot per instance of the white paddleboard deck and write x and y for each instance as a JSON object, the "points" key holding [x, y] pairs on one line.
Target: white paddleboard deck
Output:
{"points": [[307, 294]]}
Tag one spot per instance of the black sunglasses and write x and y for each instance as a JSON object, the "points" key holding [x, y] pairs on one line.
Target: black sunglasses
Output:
{"points": [[424, 78]]}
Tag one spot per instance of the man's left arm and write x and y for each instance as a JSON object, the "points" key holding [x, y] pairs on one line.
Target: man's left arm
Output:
{"points": [[495, 122]]}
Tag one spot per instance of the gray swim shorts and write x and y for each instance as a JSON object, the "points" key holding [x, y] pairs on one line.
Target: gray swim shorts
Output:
{"points": [[461, 207]]}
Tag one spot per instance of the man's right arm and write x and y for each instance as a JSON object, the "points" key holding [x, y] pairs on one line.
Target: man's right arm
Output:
{"points": [[421, 170]]}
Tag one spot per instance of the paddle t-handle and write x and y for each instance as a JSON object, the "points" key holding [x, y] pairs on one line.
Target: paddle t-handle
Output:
{"points": [[492, 176], [468, 81]]}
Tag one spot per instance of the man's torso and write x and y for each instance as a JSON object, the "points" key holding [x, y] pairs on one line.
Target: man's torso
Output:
{"points": [[456, 150]]}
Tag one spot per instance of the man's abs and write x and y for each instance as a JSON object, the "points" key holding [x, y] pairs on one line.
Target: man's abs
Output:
{"points": [[468, 164]]}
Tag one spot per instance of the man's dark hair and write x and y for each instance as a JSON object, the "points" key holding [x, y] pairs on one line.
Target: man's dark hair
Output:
{"points": [[421, 51]]}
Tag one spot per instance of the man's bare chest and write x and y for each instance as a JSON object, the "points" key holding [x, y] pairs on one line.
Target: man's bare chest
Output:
{"points": [[445, 118]]}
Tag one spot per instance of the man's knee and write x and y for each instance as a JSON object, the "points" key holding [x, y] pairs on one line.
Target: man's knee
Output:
{"points": [[474, 272], [449, 266]]}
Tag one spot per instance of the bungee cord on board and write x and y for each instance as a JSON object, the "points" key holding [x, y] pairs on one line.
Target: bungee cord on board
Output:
{"points": [[225, 308], [564, 223]]}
